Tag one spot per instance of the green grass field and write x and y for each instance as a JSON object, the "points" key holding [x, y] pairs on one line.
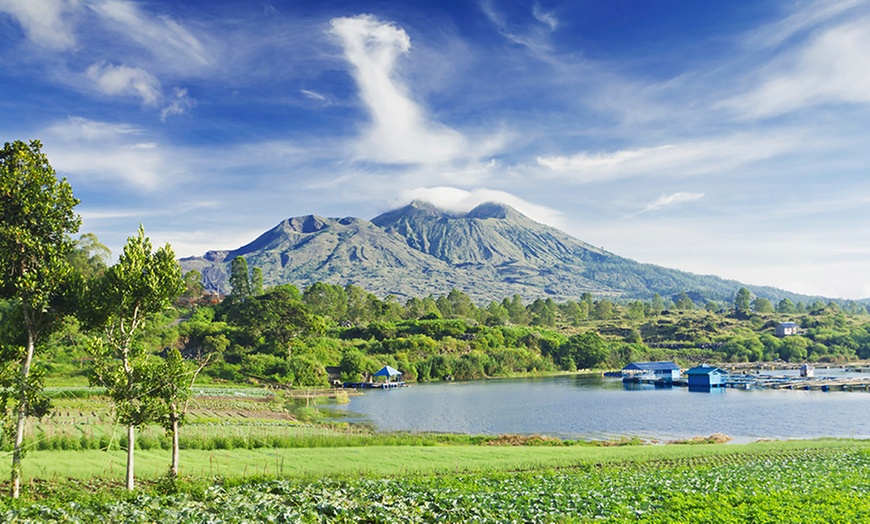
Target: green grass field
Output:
{"points": [[794, 481]]}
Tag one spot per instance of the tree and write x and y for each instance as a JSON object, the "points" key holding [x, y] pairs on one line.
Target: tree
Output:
{"points": [[762, 305], [256, 281], [140, 285], [175, 386], [603, 310], [276, 316], [239, 280], [193, 287], [742, 301], [88, 256], [785, 306], [587, 350], [657, 305], [37, 219], [683, 302]]}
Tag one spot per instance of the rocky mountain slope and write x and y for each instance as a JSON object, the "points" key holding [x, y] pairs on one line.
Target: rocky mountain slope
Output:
{"points": [[490, 253]]}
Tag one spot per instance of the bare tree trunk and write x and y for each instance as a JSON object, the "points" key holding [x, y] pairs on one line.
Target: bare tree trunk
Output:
{"points": [[131, 440], [173, 469], [22, 407]]}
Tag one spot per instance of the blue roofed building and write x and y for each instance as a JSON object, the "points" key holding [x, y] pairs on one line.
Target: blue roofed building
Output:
{"points": [[704, 377], [660, 370]]}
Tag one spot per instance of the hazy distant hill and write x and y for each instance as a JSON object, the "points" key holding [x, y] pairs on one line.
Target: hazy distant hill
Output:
{"points": [[490, 253]]}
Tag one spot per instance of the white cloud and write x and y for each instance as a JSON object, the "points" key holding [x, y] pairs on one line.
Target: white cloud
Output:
{"points": [[162, 35], [44, 21], [671, 200], [120, 80], [832, 67], [461, 201], [313, 95], [399, 132], [806, 17], [547, 18], [686, 158], [102, 152], [179, 104]]}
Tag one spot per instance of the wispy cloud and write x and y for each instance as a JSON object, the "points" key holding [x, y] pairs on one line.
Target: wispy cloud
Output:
{"points": [[831, 67], [179, 104], [545, 17], [108, 153], [679, 159], [533, 36], [399, 132], [160, 34], [44, 21], [806, 16], [116, 80], [671, 200]]}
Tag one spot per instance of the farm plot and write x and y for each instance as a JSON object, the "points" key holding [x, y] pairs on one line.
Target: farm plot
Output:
{"points": [[779, 485]]}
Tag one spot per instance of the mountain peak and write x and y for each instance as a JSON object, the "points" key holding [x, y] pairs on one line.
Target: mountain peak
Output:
{"points": [[493, 210]]}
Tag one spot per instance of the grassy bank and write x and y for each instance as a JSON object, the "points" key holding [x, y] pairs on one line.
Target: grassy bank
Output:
{"points": [[386, 460]]}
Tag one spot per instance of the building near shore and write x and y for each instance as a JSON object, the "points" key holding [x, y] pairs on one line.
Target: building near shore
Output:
{"points": [[661, 370], [704, 377]]}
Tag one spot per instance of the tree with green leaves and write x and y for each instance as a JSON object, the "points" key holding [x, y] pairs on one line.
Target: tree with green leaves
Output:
{"points": [[240, 281], [742, 303], [37, 219], [175, 382], [762, 305], [684, 302], [277, 317], [89, 257], [142, 284]]}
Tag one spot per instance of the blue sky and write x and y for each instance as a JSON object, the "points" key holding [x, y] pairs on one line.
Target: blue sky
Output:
{"points": [[718, 137]]}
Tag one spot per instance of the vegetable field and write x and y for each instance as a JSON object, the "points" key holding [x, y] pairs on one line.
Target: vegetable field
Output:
{"points": [[779, 484]]}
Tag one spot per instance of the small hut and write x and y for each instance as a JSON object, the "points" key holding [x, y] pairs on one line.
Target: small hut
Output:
{"points": [[784, 329], [388, 372], [706, 377]]}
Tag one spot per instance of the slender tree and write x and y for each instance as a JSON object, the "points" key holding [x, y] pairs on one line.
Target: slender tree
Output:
{"points": [[742, 303], [141, 284], [37, 219], [239, 280], [176, 379]]}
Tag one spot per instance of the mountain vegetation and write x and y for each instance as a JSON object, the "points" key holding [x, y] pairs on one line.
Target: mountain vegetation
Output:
{"points": [[489, 253]]}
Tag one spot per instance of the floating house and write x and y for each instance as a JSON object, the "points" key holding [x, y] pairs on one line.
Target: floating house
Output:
{"points": [[784, 329], [667, 371], [706, 377], [807, 371]]}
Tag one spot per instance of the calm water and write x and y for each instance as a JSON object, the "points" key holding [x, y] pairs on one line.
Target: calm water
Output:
{"points": [[593, 407]]}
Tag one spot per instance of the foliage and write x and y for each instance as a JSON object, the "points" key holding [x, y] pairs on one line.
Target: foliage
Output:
{"points": [[37, 219]]}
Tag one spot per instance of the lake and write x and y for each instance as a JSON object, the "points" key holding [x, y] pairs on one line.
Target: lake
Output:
{"points": [[603, 408]]}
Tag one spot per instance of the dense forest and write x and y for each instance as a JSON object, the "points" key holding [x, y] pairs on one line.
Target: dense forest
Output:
{"points": [[285, 336]]}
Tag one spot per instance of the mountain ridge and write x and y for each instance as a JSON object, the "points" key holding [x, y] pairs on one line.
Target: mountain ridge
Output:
{"points": [[490, 252]]}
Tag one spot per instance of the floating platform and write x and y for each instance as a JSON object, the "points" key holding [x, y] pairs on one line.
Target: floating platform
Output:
{"points": [[373, 385]]}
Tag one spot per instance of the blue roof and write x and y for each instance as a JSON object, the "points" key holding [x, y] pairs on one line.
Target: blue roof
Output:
{"points": [[788, 324], [388, 371], [651, 366], [705, 369]]}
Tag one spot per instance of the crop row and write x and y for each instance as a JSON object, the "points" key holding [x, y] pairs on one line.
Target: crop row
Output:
{"points": [[812, 486]]}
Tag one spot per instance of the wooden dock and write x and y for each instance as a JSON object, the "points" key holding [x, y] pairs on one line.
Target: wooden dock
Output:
{"points": [[374, 385], [800, 383]]}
